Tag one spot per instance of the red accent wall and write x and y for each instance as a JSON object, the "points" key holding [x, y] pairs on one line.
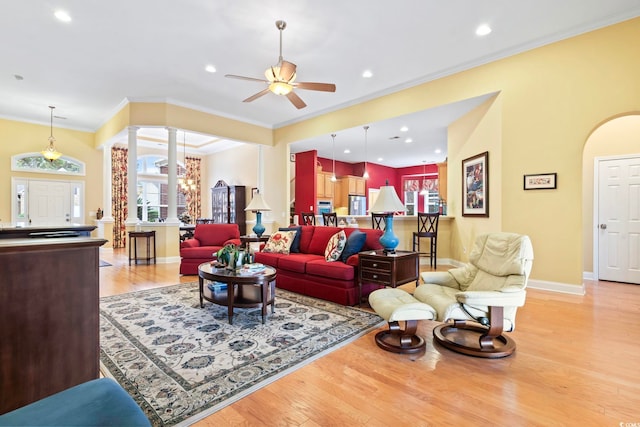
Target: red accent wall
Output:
{"points": [[306, 171], [306, 181]]}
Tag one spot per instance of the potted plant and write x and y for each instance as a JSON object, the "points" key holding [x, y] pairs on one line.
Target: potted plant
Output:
{"points": [[231, 256]]}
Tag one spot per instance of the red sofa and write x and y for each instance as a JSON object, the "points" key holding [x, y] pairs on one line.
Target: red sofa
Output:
{"points": [[308, 273], [207, 239]]}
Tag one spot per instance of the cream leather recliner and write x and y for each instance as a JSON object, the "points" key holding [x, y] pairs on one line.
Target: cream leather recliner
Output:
{"points": [[487, 291]]}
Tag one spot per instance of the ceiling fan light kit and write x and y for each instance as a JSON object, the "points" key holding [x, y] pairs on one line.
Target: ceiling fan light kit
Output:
{"points": [[280, 79]]}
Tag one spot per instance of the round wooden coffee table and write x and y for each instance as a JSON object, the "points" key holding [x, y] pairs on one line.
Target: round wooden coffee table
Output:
{"points": [[244, 289]]}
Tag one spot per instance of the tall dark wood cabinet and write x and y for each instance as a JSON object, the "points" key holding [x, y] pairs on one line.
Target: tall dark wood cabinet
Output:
{"points": [[49, 318], [227, 205]]}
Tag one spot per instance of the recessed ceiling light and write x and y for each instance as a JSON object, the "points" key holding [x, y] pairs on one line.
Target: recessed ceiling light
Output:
{"points": [[210, 68], [438, 151], [367, 74], [62, 16], [380, 159], [347, 151], [404, 129], [408, 140], [483, 30]]}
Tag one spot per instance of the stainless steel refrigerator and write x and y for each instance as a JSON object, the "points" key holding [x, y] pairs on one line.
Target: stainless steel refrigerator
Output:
{"points": [[357, 205]]}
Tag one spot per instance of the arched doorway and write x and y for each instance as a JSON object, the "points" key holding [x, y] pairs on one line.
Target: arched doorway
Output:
{"points": [[613, 146]]}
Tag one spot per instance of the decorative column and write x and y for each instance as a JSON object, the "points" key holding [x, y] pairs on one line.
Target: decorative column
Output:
{"points": [[172, 178], [132, 176]]}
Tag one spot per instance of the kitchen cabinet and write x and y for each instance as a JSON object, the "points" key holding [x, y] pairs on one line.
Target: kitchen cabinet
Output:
{"points": [[348, 186], [442, 180], [325, 187]]}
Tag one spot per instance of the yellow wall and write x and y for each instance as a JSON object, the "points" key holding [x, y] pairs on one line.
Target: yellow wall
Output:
{"points": [[19, 137], [619, 136], [160, 114], [475, 133]]}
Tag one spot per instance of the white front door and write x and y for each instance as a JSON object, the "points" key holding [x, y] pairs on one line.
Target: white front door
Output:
{"points": [[619, 219], [49, 203]]}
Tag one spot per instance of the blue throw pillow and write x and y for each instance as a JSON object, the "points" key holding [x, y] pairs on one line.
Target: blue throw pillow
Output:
{"points": [[355, 243], [295, 245]]}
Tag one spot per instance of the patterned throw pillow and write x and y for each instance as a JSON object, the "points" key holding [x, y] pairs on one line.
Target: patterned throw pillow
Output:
{"points": [[295, 246], [280, 242], [335, 246]]}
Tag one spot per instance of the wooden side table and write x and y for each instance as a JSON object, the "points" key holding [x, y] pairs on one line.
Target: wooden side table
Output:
{"points": [[133, 236], [387, 269], [247, 240]]}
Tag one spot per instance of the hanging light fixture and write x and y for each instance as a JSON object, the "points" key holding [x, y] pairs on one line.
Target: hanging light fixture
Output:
{"points": [[50, 153], [424, 191], [333, 176], [365, 175], [186, 185]]}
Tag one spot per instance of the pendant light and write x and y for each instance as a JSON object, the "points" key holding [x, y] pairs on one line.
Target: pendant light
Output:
{"points": [[186, 185], [423, 190], [333, 176], [50, 153], [365, 175]]}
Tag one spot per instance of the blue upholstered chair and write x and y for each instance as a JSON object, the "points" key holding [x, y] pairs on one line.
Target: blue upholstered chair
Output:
{"points": [[100, 402]]}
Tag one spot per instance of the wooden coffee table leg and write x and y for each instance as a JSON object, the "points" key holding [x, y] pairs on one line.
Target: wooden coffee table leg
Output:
{"points": [[230, 301], [264, 287], [201, 283]]}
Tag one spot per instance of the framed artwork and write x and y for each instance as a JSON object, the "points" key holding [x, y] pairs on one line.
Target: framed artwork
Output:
{"points": [[475, 185], [541, 181]]}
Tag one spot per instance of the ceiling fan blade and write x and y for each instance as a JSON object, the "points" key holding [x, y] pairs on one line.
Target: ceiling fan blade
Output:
{"points": [[296, 100], [251, 79], [324, 87], [257, 95], [287, 71]]}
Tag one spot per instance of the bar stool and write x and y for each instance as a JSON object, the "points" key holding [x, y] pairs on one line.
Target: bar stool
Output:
{"points": [[330, 218], [133, 236], [428, 228], [308, 218], [377, 221]]}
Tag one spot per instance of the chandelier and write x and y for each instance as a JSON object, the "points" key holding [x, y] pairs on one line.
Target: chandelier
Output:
{"points": [[186, 186], [50, 153]]}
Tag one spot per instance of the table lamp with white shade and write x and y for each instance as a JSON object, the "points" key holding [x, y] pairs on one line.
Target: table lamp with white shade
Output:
{"points": [[258, 205], [388, 202]]}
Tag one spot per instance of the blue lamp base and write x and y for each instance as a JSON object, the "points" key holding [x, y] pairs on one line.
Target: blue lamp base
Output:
{"points": [[388, 240], [258, 228]]}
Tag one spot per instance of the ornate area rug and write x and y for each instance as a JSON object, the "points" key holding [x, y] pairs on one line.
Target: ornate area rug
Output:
{"points": [[181, 363]]}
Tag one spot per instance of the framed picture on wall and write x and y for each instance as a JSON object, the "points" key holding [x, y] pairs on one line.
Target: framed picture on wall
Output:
{"points": [[541, 181], [475, 185]]}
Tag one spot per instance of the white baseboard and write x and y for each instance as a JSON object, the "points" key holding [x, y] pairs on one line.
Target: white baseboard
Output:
{"points": [[564, 288], [588, 275], [543, 285], [168, 260]]}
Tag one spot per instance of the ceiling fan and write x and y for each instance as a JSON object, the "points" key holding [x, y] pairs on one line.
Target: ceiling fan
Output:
{"points": [[280, 79]]}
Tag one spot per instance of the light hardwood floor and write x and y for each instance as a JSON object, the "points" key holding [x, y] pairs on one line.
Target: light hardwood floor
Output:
{"points": [[577, 364]]}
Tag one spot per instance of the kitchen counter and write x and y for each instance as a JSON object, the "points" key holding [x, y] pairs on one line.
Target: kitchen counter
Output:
{"points": [[403, 227]]}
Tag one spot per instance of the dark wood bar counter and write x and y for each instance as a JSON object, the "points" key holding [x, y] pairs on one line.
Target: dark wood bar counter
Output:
{"points": [[49, 321]]}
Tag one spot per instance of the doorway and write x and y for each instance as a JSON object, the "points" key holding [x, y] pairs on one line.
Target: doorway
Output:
{"points": [[617, 226], [47, 202]]}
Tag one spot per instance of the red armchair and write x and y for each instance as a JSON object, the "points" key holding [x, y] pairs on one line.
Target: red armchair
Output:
{"points": [[207, 239]]}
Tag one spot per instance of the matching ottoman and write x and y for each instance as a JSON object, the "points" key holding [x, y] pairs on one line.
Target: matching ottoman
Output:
{"points": [[395, 305], [100, 402]]}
